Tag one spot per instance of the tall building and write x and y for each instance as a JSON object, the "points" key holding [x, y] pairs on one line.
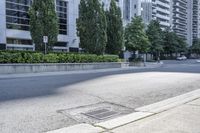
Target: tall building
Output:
{"points": [[185, 19], [156, 10], [198, 25], [14, 25], [161, 12], [180, 17], [195, 21], [146, 11], [130, 8]]}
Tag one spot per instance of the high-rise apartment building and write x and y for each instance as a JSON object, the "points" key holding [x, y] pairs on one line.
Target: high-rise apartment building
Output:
{"points": [[180, 16], [198, 25], [185, 19], [130, 8], [146, 11], [195, 21], [161, 12]]}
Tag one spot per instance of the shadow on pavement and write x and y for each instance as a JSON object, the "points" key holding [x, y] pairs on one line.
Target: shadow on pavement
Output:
{"points": [[31, 87]]}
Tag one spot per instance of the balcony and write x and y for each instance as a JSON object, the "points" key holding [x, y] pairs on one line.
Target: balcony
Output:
{"points": [[162, 17], [163, 4], [165, 24]]}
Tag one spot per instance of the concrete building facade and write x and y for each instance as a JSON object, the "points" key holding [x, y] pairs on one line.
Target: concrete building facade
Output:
{"points": [[146, 11], [14, 25], [181, 19]]}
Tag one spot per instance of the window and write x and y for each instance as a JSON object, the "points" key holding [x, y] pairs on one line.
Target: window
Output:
{"points": [[19, 41], [61, 8], [60, 44], [17, 14]]}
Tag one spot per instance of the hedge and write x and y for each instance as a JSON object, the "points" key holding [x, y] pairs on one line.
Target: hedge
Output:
{"points": [[37, 57]]}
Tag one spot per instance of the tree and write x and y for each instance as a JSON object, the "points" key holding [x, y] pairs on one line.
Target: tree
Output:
{"points": [[195, 48], [154, 33], [182, 45], [172, 43], [91, 27], [43, 22], [114, 29], [169, 42], [135, 36]]}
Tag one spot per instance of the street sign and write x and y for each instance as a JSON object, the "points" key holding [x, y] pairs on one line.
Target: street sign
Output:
{"points": [[45, 39]]}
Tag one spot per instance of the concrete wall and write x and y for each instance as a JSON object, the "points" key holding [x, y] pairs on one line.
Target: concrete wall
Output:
{"points": [[36, 68]]}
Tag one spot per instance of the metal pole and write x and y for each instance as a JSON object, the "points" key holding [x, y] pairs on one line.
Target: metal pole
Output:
{"points": [[45, 45]]}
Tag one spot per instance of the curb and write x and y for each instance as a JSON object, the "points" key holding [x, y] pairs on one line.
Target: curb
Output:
{"points": [[141, 113], [150, 110], [170, 103]]}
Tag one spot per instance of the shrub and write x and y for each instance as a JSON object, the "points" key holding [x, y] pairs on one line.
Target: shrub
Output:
{"points": [[37, 57], [51, 58]]}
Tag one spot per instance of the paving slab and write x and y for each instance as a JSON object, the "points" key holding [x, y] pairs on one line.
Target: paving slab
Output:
{"points": [[83, 128], [183, 119]]}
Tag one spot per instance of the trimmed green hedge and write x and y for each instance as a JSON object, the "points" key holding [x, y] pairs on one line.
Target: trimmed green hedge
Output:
{"points": [[37, 57]]}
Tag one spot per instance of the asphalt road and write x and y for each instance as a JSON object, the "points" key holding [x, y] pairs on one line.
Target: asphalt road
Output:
{"points": [[32, 104]]}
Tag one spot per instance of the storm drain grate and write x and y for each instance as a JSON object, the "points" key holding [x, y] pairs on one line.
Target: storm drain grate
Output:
{"points": [[101, 114]]}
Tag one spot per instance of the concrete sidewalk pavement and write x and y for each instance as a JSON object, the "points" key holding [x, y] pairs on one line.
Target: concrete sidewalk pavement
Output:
{"points": [[182, 119], [180, 114]]}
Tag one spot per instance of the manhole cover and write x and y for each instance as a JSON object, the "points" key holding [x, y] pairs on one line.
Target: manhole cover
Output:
{"points": [[101, 114], [96, 113]]}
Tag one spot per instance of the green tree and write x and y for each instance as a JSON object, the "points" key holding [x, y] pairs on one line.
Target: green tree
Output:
{"points": [[114, 29], [195, 48], [169, 42], [154, 33], [172, 43], [43, 22], [91, 27], [135, 36], [182, 45]]}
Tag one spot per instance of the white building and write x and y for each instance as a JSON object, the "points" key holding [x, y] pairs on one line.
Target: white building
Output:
{"points": [[156, 10], [146, 11], [185, 19], [129, 8], [181, 18], [14, 25], [162, 12]]}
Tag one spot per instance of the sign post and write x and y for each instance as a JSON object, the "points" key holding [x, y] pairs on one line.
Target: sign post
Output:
{"points": [[45, 40]]}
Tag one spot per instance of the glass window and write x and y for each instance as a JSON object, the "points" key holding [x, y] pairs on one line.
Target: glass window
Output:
{"points": [[19, 41], [61, 8], [17, 14]]}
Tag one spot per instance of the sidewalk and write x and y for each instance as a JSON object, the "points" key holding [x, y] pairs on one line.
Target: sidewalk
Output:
{"points": [[180, 114], [182, 119]]}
